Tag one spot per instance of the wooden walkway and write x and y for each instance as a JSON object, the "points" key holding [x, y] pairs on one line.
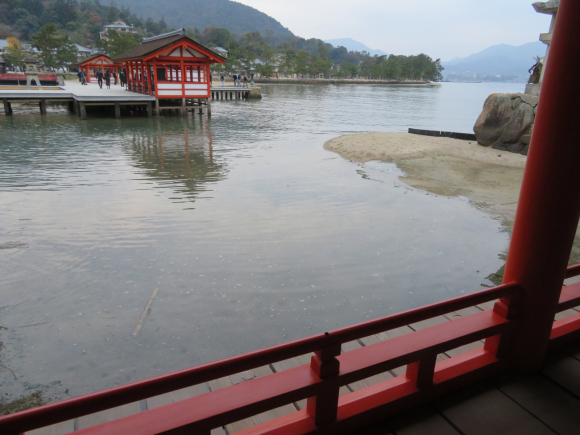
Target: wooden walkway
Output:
{"points": [[513, 403]]}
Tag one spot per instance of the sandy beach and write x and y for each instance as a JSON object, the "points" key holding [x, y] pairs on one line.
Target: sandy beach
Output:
{"points": [[489, 178]]}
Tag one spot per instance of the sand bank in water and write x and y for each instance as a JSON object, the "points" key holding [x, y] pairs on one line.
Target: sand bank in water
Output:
{"points": [[489, 178]]}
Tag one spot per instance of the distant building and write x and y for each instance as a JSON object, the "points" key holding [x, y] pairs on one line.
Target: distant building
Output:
{"points": [[82, 52], [118, 26], [3, 45], [221, 51]]}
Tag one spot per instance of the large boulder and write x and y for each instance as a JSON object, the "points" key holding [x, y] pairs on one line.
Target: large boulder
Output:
{"points": [[506, 122]]}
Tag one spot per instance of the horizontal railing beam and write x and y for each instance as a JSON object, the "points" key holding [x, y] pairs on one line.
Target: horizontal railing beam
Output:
{"points": [[569, 298]]}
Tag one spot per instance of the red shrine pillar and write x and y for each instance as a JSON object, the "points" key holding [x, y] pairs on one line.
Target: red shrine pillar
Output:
{"points": [[549, 204]]}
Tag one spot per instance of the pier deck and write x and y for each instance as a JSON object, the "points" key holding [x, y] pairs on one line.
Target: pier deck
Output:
{"points": [[512, 403], [80, 97]]}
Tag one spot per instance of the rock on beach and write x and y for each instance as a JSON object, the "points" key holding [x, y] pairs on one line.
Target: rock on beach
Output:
{"points": [[506, 122]]}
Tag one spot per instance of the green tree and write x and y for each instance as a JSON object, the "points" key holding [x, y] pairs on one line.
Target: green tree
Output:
{"points": [[302, 62], [65, 11], [34, 7], [347, 69], [119, 42], [217, 37], [14, 54], [56, 49]]}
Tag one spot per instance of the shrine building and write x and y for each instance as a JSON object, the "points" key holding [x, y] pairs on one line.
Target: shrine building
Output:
{"points": [[90, 65], [171, 66]]}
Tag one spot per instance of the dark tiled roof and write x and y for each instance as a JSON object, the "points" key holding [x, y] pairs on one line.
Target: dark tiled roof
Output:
{"points": [[91, 58], [148, 48]]}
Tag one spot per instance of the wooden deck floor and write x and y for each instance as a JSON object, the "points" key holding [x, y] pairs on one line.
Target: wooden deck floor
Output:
{"points": [[544, 403]]}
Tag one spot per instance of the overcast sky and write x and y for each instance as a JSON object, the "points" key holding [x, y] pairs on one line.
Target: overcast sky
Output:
{"points": [[440, 28]]}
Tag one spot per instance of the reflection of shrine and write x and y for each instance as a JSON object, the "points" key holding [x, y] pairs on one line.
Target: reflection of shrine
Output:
{"points": [[181, 159]]}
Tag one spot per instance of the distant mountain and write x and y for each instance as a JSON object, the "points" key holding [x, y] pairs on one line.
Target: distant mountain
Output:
{"points": [[231, 15], [352, 45], [502, 60]]}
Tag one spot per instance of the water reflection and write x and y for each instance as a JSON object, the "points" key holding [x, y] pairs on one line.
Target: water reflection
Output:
{"points": [[182, 160]]}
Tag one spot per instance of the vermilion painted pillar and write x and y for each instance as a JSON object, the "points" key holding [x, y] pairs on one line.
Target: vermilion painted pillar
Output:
{"points": [[549, 204]]}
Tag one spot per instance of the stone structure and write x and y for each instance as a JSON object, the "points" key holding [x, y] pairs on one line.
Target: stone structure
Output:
{"points": [[31, 65], [551, 8], [506, 122]]}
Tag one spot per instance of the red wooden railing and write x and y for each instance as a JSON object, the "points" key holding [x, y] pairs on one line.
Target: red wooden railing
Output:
{"points": [[319, 382]]}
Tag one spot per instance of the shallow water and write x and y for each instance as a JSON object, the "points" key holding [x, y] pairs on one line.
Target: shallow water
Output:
{"points": [[252, 233]]}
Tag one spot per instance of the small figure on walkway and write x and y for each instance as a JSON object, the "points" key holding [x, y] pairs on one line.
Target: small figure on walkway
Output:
{"points": [[222, 78], [83, 78], [123, 78], [115, 77], [79, 75], [100, 78], [108, 79], [245, 82]]}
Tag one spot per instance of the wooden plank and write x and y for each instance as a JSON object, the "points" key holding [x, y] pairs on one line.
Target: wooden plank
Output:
{"points": [[368, 381], [256, 419], [565, 313], [393, 333], [184, 393], [108, 415], [55, 429], [421, 421], [565, 371], [483, 410], [175, 396], [555, 407]]}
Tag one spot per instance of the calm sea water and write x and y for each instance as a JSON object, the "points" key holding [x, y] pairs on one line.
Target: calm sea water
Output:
{"points": [[252, 233]]}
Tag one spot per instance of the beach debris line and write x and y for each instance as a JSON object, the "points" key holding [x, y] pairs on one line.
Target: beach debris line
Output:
{"points": [[145, 311]]}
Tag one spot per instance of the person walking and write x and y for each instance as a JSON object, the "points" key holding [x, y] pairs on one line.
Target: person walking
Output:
{"points": [[108, 79], [245, 82], [83, 78], [100, 78], [115, 77], [123, 78], [222, 78]]}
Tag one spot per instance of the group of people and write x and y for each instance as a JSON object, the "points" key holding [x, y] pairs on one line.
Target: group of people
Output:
{"points": [[122, 77], [237, 80]]}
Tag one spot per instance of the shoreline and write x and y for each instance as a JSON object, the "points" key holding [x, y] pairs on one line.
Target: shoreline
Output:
{"points": [[489, 178], [286, 81]]}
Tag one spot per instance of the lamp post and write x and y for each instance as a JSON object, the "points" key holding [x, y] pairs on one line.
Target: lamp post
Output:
{"points": [[252, 76]]}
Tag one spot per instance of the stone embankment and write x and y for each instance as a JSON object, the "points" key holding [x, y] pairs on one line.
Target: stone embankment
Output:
{"points": [[506, 122]]}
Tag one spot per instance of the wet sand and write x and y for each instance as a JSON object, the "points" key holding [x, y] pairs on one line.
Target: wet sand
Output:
{"points": [[491, 179]]}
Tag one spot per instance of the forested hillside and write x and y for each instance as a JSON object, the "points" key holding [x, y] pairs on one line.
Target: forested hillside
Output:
{"points": [[235, 17], [81, 20]]}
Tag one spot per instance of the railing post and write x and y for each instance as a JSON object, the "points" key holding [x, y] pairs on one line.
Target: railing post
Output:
{"points": [[324, 406], [549, 205], [422, 371]]}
